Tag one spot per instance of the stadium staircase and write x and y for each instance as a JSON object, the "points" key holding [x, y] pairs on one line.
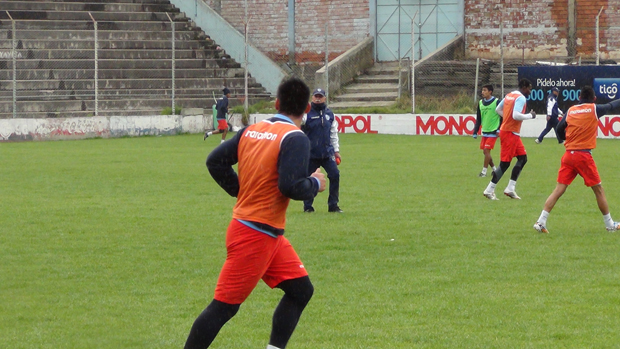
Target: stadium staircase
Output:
{"points": [[55, 48], [377, 87]]}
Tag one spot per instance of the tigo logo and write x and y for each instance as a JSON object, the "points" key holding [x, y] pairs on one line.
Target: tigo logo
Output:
{"points": [[606, 88]]}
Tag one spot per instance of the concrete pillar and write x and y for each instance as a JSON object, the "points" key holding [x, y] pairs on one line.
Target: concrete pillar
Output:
{"points": [[571, 44]]}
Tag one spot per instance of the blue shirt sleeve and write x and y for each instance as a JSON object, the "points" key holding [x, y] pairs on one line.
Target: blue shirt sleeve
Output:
{"points": [[519, 104]]}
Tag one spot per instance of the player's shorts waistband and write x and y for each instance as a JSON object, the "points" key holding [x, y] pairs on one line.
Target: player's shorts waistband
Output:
{"points": [[262, 227]]}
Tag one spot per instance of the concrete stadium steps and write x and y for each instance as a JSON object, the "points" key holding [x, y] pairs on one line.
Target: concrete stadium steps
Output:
{"points": [[98, 15], [73, 54], [105, 93], [101, 25], [161, 44], [377, 87], [55, 59], [159, 73], [372, 88], [116, 84], [103, 35], [116, 64], [86, 6]]}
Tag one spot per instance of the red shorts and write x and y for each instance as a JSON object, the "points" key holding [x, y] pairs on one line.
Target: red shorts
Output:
{"points": [[578, 163], [222, 124], [488, 142], [511, 146], [252, 256]]}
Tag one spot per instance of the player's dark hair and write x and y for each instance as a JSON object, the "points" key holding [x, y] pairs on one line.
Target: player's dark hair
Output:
{"points": [[488, 87], [587, 93], [293, 95], [524, 83]]}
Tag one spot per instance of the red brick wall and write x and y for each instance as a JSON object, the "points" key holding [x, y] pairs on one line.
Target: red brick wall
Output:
{"points": [[539, 29], [348, 25]]}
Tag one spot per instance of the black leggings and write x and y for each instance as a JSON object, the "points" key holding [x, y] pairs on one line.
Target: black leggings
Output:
{"points": [[297, 294], [504, 165]]}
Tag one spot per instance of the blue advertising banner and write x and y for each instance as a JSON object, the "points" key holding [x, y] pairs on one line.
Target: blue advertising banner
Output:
{"points": [[604, 79]]}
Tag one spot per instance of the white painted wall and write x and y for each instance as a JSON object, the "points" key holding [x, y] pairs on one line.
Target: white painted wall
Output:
{"points": [[405, 124]]}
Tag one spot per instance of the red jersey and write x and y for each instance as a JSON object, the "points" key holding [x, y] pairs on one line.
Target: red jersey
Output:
{"points": [[510, 124], [581, 127]]}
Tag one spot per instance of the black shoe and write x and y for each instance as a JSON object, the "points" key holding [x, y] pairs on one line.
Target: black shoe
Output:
{"points": [[309, 210], [335, 209], [206, 135]]}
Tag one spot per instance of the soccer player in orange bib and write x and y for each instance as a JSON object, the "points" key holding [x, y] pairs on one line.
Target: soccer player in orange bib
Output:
{"points": [[272, 158], [579, 129], [512, 109]]}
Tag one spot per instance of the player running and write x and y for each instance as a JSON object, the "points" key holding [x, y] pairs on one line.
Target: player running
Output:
{"points": [[272, 158], [579, 129], [512, 109]]}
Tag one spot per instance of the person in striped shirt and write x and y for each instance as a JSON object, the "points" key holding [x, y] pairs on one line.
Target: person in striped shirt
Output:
{"points": [[579, 129]]}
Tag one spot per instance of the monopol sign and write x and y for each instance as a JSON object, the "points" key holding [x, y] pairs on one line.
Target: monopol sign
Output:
{"points": [[605, 80]]}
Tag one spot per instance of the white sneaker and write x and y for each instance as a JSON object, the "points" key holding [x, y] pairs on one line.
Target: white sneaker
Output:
{"points": [[541, 228], [512, 195], [482, 174], [490, 196], [614, 228], [537, 141]]}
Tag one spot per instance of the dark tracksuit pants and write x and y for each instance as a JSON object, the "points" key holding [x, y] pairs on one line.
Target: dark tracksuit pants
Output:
{"points": [[552, 123], [333, 174]]}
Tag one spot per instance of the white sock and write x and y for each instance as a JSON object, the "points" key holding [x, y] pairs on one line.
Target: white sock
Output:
{"points": [[511, 185], [271, 347], [543, 217], [484, 170], [609, 223], [490, 188], [222, 141], [494, 168], [210, 133]]}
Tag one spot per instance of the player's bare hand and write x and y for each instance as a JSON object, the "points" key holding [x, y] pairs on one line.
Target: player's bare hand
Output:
{"points": [[533, 114], [321, 177]]}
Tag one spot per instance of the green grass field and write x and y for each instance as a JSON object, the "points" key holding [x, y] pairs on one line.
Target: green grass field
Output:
{"points": [[117, 243]]}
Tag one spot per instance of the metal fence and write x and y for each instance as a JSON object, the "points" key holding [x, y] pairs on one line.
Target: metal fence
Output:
{"points": [[86, 66]]}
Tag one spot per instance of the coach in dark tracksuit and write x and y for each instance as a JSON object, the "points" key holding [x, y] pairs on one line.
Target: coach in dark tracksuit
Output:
{"points": [[321, 127], [553, 113]]}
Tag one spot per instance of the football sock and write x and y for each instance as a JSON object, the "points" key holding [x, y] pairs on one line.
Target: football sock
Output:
{"points": [[511, 185], [494, 168], [484, 170], [543, 218], [609, 223], [210, 133], [490, 188], [222, 141]]}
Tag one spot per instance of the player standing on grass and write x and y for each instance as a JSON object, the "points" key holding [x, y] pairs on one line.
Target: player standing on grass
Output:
{"points": [[579, 129], [222, 109], [490, 121], [272, 158], [512, 109]]}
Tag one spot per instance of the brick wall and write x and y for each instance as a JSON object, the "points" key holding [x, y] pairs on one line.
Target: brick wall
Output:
{"points": [[268, 31], [533, 29], [539, 29]]}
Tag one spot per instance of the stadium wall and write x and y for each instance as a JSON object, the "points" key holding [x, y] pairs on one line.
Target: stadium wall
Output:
{"points": [[405, 124], [541, 29], [349, 24]]}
